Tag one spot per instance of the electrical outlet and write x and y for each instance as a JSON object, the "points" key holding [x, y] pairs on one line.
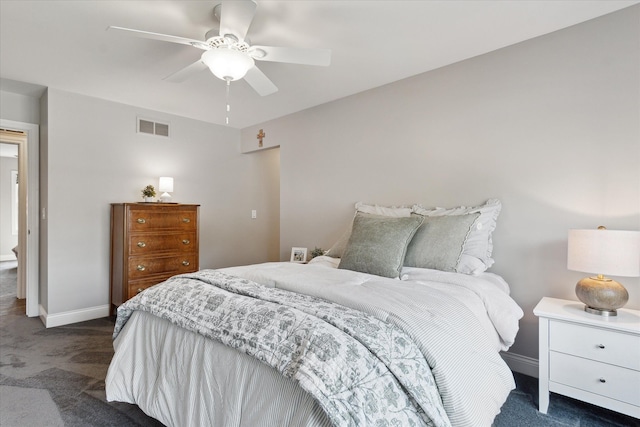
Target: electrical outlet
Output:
{"points": [[254, 214]]}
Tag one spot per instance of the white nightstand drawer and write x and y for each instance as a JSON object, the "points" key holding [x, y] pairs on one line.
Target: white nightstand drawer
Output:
{"points": [[600, 378], [607, 346]]}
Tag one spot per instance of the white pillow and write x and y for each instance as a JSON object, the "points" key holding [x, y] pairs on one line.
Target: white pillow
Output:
{"points": [[393, 211], [338, 247], [478, 248]]}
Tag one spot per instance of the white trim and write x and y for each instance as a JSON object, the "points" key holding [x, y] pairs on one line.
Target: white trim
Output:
{"points": [[8, 257], [522, 364], [74, 316], [15, 202]]}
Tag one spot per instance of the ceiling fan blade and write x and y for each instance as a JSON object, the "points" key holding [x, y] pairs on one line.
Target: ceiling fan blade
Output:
{"points": [[236, 17], [260, 82], [292, 55], [188, 71], [163, 37]]}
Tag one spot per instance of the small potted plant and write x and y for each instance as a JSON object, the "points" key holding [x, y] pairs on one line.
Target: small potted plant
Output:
{"points": [[148, 193], [317, 252]]}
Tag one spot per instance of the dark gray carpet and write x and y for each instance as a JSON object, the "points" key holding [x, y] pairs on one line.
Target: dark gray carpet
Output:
{"points": [[8, 278], [521, 410], [55, 377]]}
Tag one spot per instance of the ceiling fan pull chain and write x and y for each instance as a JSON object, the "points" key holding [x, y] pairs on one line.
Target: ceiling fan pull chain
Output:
{"points": [[228, 106]]}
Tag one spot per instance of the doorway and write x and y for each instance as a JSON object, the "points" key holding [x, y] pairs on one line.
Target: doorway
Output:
{"points": [[25, 136], [9, 190]]}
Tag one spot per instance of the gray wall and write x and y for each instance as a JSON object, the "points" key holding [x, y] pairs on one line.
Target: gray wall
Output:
{"points": [[19, 107], [549, 126], [7, 240], [91, 156]]}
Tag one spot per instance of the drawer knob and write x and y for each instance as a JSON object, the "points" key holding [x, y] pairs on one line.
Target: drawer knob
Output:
{"points": [[186, 220], [185, 263], [141, 244], [602, 380], [141, 221], [141, 268], [600, 346], [186, 241], [140, 290]]}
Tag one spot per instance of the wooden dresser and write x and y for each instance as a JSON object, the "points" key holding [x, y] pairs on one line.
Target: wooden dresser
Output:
{"points": [[150, 242]]}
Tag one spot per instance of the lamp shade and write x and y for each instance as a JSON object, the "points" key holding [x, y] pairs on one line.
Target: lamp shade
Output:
{"points": [[227, 63], [166, 184], [607, 252]]}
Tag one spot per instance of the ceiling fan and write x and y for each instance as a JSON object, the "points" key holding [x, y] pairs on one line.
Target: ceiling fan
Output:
{"points": [[229, 54]]}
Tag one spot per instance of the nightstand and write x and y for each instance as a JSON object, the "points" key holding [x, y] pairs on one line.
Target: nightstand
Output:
{"points": [[588, 357]]}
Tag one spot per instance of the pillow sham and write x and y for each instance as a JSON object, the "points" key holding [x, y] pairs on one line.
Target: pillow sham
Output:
{"points": [[439, 242], [478, 248], [392, 211], [338, 247], [378, 245]]}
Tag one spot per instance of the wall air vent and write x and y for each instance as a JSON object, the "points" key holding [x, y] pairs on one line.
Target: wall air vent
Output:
{"points": [[152, 127]]}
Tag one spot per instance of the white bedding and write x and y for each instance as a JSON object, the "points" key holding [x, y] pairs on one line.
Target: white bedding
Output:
{"points": [[186, 380], [459, 322], [485, 294]]}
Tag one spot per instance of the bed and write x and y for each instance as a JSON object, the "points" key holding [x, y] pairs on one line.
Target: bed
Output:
{"points": [[356, 337]]}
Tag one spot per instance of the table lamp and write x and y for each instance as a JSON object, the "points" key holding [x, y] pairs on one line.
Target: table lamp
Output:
{"points": [[165, 186], [602, 251]]}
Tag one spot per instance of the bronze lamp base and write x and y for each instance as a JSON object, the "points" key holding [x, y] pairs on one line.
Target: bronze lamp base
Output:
{"points": [[601, 295]]}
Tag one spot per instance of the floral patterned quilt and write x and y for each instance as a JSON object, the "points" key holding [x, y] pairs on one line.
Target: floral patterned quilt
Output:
{"points": [[361, 370]]}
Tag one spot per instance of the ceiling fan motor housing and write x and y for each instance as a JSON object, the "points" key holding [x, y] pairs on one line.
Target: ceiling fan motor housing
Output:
{"points": [[227, 62]]}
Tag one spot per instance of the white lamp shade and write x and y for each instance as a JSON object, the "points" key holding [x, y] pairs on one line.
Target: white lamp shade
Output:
{"points": [[166, 184], [607, 252], [226, 63]]}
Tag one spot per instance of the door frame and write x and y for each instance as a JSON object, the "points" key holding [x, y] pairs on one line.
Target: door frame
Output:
{"points": [[28, 218]]}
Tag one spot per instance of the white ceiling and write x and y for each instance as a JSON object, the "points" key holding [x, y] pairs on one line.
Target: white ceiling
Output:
{"points": [[65, 45]]}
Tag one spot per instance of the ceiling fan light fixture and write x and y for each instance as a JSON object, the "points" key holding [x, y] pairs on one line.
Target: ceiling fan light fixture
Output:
{"points": [[227, 63]]}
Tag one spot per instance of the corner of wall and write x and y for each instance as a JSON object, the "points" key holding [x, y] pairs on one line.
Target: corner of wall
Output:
{"points": [[43, 293], [522, 364]]}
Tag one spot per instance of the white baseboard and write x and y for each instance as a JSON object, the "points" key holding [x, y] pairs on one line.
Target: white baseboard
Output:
{"points": [[74, 316], [522, 364]]}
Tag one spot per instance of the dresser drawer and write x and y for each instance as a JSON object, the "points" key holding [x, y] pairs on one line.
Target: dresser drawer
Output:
{"points": [[142, 244], [595, 377], [137, 286], [142, 267], [151, 220], [617, 348]]}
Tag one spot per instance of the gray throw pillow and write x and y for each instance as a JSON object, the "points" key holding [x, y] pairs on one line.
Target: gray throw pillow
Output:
{"points": [[377, 245], [439, 242], [476, 255]]}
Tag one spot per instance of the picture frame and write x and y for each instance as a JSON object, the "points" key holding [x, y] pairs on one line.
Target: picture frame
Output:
{"points": [[298, 255]]}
